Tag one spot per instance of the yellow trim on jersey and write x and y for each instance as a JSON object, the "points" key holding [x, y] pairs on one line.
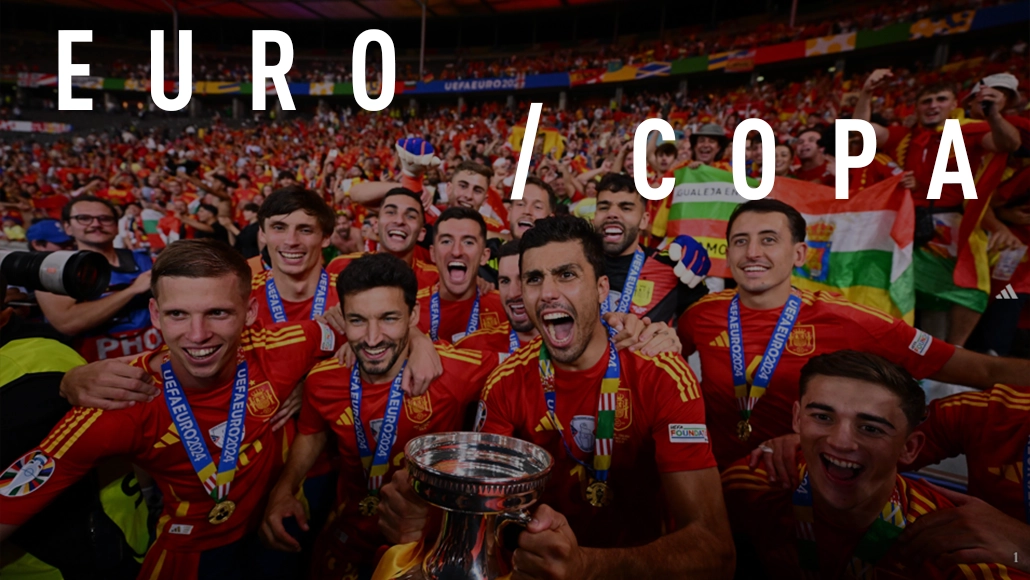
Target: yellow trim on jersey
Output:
{"points": [[922, 499], [1008, 400], [424, 266], [679, 373], [474, 357], [71, 440], [1011, 391], [330, 364], [423, 292], [81, 422], [510, 366], [160, 564], [831, 299]]}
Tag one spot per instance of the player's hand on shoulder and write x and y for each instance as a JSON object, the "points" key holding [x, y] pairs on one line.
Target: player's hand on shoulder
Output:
{"points": [[402, 514], [424, 366], [548, 549], [777, 456], [108, 384]]}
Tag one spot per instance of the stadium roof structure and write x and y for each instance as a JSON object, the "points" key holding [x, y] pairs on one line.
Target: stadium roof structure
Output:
{"points": [[320, 9]]}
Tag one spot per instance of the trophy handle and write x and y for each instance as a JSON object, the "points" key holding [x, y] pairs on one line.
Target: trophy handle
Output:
{"points": [[509, 526]]}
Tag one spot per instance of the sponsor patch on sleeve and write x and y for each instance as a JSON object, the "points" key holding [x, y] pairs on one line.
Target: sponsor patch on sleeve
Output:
{"points": [[688, 433], [328, 338], [27, 474], [920, 343]]}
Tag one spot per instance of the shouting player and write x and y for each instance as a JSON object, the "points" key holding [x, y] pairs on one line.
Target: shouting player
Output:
{"points": [[455, 306], [626, 431]]}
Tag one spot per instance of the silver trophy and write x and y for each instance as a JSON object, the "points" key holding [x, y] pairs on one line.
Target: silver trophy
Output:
{"points": [[483, 483]]}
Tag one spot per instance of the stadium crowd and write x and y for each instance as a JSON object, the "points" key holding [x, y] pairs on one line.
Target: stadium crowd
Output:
{"points": [[261, 269], [216, 64]]}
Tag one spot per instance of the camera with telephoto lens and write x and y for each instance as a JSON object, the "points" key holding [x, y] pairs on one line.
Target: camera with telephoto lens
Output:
{"points": [[81, 275]]}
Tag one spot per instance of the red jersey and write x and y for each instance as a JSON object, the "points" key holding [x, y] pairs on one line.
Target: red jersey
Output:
{"points": [[277, 357], [882, 167], [819, 174], [454, 315], [991, 428], [294, 311], [826, 323], [765, 515], [497, 339], [353, 539], [426, 273], [659, 428]]}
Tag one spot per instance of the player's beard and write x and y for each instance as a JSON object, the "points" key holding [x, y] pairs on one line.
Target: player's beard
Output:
{"points": [[375, 369], [630, 234]]}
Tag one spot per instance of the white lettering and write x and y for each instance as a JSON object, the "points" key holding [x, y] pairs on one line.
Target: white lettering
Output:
{"points": [[844, 162], [66, 70], [277, 73], [952, 137], [157, 70], [640, 159], [387, 87], [768, 158]]}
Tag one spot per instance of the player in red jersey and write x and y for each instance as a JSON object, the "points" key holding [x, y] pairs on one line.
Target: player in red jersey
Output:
{"points": [[455, 306], [378, 301], [222, 382], [856, 418], [517, 330], [619, 463], [296, 224], [659, 287], [765, 242], [401, 227]]}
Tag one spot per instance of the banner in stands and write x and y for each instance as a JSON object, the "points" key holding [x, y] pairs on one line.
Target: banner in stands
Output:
{"points": [[34, 127], [497, 84]]}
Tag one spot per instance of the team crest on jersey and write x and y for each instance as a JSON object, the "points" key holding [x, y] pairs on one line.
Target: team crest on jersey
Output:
{"points": [[802, 340], [217, 434], [582, 427], [27, 474], [489, 320], [623, 410], [644, 293], [261, 401], [418, 409]]}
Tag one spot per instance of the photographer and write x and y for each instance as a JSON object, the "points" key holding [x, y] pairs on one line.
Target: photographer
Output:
{"points": [[118, 324]]}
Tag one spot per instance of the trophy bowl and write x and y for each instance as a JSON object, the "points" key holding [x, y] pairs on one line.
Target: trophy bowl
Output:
{"points": [[483, 483]]}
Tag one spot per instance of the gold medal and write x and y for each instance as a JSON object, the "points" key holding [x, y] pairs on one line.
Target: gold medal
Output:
{"points": [[744, 430], [599, 494], [221, 512], [367, 506]]}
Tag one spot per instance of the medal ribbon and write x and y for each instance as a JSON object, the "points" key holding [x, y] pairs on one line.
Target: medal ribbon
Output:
{"points": [[216, 482], [605, 430], [770, 358], [275, 302], [376, 466], [434, 316], [513, 341], [628, 289], [874, 544]]}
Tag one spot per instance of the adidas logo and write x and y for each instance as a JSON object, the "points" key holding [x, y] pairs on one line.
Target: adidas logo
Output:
{"points": [[1007, 293]]}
